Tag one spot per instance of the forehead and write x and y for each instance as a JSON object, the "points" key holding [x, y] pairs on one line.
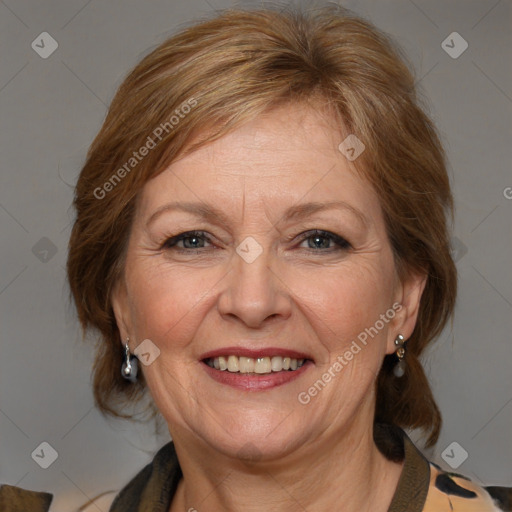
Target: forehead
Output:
{"points": [[288, 133], [283, 157]]}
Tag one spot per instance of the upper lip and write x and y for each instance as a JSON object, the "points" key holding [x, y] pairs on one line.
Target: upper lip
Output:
{"points": [[254, 353]]}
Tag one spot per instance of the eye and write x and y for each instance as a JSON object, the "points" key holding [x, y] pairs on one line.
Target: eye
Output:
{"points": [[190, 239], [319, 239]]}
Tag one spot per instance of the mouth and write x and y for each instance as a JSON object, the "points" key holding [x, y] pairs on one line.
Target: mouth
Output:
{"points": [[257, 366], [253, 370]]}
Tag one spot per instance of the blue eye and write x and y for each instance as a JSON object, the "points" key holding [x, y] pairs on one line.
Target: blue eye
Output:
{"points": [[318, 239], [190, 239]]}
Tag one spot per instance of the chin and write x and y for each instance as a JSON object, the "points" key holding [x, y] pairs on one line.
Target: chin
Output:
{"points": [[258, 438]]}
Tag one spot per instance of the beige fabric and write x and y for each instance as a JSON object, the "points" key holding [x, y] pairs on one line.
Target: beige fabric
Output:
{"points": [[476, 498]]}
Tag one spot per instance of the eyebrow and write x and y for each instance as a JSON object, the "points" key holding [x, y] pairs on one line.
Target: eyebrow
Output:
{"points": [[296, 212]]}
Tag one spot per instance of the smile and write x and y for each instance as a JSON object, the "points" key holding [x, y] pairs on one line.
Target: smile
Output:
{"points": [[255, 369], [258, 365]]}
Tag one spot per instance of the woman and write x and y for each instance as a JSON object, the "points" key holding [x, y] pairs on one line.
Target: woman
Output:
{"points": [[262, 243]]}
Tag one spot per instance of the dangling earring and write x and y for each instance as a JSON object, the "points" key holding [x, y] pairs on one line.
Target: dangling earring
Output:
{"points": [[399, 368], [130, 366]]}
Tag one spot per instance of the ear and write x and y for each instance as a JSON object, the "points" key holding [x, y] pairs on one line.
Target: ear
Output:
{"points": [[407, 304], [120, 305]]}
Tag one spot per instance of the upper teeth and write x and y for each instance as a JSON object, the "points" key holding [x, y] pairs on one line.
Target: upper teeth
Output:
{"points": [[255, 365]]}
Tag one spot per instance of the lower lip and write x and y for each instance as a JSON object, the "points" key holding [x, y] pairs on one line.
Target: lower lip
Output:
{"points": [[252, 382]]}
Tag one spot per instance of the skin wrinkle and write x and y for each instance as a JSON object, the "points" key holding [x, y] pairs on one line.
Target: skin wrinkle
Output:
{"points": [[287, 297]]}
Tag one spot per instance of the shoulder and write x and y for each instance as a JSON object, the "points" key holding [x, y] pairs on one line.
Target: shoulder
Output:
{"points": [[426, 487], [457, 493], [15, 498]]}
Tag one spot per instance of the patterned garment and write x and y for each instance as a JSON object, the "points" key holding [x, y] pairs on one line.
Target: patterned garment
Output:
{"points": [[450, 491], [423, 486]]}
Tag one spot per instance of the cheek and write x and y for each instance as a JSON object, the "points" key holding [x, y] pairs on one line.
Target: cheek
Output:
{"points": [[343, 303], [168, 302]]}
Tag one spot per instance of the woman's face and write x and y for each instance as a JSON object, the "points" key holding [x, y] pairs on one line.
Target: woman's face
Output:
{"points": [[257, 283]]}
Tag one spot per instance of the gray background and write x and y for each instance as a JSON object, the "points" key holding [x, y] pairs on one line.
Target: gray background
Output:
{"points": [[50, 111]]}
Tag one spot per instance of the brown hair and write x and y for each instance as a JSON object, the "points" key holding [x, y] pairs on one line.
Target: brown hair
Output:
{"points": [[210, 78]]}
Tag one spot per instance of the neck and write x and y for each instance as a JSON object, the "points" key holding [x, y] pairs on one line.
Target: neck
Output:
{"points": [[337, 468]]}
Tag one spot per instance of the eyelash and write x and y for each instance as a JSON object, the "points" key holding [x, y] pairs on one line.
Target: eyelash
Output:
{"points": [[342, 244]]}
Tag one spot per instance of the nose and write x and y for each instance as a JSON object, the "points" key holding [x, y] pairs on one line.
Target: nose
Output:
{"points": [[255, 293]]}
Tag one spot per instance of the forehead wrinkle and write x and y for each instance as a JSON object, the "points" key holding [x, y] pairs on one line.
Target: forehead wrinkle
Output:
{"points": [[215, 215]]}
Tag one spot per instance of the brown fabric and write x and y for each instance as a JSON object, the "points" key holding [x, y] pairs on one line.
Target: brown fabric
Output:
{"points": [[412, 489], [16, 499], [502, 496], [153, 488]]}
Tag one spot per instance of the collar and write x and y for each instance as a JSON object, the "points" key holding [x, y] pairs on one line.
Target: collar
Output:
{"points": [[153, 488], [412, 489]]}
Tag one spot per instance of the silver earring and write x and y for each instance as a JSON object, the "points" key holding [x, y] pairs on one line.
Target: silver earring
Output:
{"points": [[399, 368], [130, 365]]}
